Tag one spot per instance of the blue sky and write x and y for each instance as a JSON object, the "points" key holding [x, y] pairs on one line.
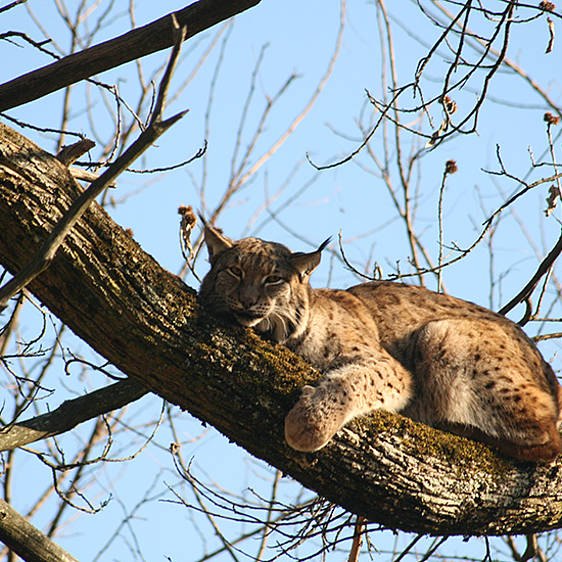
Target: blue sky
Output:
{"points": [[307, 205]]}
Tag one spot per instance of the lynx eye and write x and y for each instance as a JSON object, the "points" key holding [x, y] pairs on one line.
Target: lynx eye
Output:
{"points": [[235, 271], [273, 280]]}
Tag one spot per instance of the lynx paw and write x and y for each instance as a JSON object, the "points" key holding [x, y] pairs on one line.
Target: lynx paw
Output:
{"points": [[313, 420]]}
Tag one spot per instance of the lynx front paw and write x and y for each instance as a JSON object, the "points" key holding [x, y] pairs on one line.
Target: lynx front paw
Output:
{"points": [[313, 420]]}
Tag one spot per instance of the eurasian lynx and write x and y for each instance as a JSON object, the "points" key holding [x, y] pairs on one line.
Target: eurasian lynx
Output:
{"points": [[439, 360]]}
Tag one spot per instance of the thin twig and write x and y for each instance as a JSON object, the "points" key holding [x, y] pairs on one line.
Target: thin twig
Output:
{"points": [[11, 5], [267, 528], [357, 539]]}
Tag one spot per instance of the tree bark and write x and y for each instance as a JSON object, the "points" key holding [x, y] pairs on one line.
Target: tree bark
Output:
{"points": [[147, 322], [26, 541], [137, 43]]}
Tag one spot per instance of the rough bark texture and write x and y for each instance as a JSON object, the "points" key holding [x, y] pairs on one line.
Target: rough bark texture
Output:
{"points": [[26, 541], [147, 322], [137, 43]]}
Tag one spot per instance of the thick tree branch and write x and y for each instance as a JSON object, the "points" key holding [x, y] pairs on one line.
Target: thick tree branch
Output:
{"points": [[71, 413], [147, 322], [27, 541], [135, 44]]}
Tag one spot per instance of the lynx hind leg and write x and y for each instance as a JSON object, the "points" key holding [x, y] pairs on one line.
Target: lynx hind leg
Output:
{"points": [[344, 394], [485, 377]]}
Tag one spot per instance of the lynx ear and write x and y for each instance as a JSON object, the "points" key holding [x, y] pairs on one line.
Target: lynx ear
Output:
{"points": [[216, 242], [305, 264]]}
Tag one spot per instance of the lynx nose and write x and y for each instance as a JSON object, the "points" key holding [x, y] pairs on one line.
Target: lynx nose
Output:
{"points": [[248, 297]]}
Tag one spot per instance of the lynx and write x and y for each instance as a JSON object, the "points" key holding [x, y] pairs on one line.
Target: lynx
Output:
{"points": [[384, 345]]}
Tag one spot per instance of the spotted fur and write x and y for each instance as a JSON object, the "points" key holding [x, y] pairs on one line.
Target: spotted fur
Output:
{"points": [[437, 359]]}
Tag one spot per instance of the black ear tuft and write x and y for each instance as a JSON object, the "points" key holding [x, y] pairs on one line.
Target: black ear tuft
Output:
{"points": [[324, 244]]}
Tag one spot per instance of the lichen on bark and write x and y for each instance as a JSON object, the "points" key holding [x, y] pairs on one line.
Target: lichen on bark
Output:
{"points": [[133, 312]]}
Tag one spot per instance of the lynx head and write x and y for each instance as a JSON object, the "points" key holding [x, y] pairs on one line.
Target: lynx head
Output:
{"points": [[258, 283]]}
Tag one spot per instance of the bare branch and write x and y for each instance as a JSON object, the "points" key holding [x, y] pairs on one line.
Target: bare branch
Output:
{"points": [[543, 268], [137, 43], [27, 541], [11, 5], [70, 153], [44, 256], [359, 529], [71, 413]]}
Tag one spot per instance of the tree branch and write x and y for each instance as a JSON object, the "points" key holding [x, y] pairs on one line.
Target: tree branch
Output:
{"points": [[383, 467], [71, 413], [157, 126], [543, 268], [135, 44], [26, 541]]}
